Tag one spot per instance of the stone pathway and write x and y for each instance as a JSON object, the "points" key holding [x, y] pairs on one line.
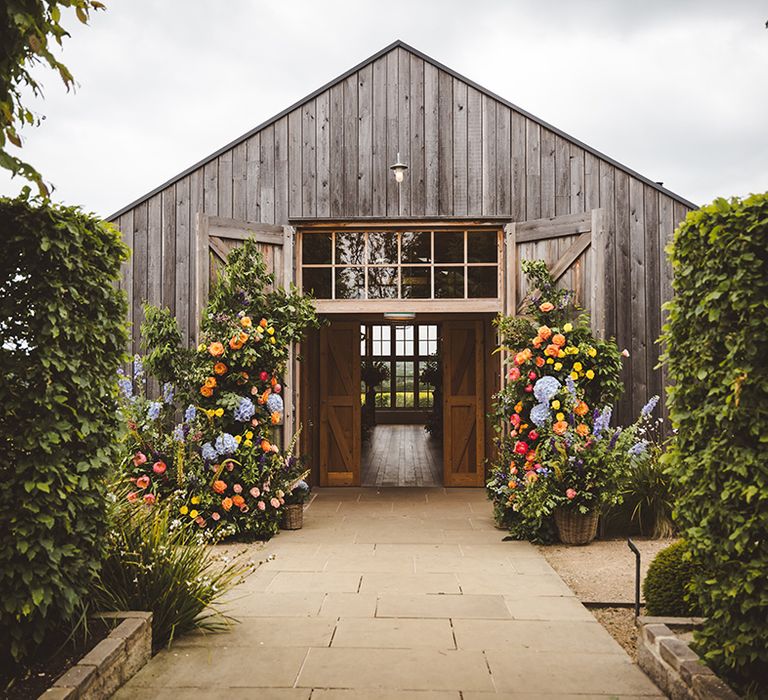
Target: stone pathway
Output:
{"points": [[400, 593]]}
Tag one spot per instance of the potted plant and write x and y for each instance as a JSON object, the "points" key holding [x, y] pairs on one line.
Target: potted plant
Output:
{"points": [[372, 373], [293, 511]]}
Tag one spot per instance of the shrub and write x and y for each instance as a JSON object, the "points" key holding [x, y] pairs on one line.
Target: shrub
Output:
{"points": [[666, 585], [62, 337], [715, 352]]}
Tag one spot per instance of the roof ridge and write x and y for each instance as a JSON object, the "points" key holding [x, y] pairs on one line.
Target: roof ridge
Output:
{"points": [[398, 43]]}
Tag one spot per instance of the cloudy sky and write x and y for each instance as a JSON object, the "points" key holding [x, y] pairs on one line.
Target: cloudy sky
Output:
{"points": [[675, 89]]}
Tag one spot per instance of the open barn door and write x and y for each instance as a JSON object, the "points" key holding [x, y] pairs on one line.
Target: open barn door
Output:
{"points": [[216, 238], [574, 246]]}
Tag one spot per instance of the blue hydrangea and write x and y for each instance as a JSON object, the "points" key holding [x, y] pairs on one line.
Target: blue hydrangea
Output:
{"points": [[275, 403], [190, 413], [225, 445], [646, 410], [545, 389], [540, 414], [153, 412], [208, 453], [168, 393], [638, 448], [245, 410]]}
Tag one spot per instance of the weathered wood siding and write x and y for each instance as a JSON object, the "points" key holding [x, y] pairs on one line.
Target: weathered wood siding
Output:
{"points": [[470, 155]]}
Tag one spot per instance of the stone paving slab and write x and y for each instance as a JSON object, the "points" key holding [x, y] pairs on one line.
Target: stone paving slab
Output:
{"points": [[396, 594]]}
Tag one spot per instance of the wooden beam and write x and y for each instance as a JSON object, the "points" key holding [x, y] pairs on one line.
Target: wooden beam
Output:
{"points": [[510, 268], [418, 306], [552, 227], [599, 245], [216, 246], [570, 255], [202, 269]]}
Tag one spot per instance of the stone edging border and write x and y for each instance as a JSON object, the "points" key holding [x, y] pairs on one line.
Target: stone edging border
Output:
{"points": [[111, 663], [672, 665]]}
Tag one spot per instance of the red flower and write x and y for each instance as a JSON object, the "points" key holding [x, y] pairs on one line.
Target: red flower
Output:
{"points": [[263, 376], [533, 435], [521, 447], [142, 482], [532, 375], [529, 388], [571, 494], [159, 467], [149, 498]]}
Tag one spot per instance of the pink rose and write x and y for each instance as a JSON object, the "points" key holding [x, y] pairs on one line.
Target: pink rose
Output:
{"points": [[515, 419], [532, 375], [514, 374], [261, 505], [533, 435], [159, 467], [254, 391], [529, 389], [215, 516], [277, 388], [570, 493], [274, 503], [132, 496], [139, 458], [200, 520], [142, 482], [521, 447], [149, 498], [237, 488], [255, 492], [625, 353], [282, 501]]}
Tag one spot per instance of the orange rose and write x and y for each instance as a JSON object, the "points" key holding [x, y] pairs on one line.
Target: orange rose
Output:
{"points": [[275, 418], [552, 350], [244, 375], [265, 445], [545, 333], [540, 362], [263, 323], [558, 339], [238, 500], [226, 503], [531, 456], [560, 428], [246, 322], [581, 409], [210, 382], [546, 307], [582, 429], [219, 368], [519, 358], [206, 391], [219, 486], [531, 477], [237, 341], [216, 349], [536, 342]]}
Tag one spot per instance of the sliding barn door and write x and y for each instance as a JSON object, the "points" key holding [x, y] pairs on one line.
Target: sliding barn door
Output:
{"points": [[463, 404], [340, 404]]}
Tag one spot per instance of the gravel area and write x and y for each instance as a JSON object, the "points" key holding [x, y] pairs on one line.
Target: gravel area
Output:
{"points": [[604, 572]]}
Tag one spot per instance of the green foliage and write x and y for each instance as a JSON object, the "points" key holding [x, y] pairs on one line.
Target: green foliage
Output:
{"points": [[62, 337], [165, 358], [666, 585], [28, 28], [715, 339], [648, 492], [155, 563]]}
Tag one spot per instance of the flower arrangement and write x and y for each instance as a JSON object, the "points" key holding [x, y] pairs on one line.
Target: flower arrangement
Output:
{"points": [[556, 449]]}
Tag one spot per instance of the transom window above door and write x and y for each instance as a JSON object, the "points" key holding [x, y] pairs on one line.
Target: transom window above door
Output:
{"points": [[406, 264]]}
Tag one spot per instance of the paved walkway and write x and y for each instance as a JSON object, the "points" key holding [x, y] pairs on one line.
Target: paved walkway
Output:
{"points": [[405, 594]]}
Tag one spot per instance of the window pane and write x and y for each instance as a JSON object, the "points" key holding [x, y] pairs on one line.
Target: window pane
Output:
{"points": [[404, 384], [415, 283], [382, 247], [416, 246], [362, 340], [481, 282], [449, 282], [316, 249], [350, 248], [404, 340], [382, 283], [317, 281], [350, 283], [449, 246], [481, 246]]}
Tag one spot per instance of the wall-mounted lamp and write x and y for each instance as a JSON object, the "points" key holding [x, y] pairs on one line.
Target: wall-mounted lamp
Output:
{"points": [[399, 315], [399, 169]]}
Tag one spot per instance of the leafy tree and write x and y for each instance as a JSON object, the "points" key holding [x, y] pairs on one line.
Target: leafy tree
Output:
{"points": [[28, 29]]}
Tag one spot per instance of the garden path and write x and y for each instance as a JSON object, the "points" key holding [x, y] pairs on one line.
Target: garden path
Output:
{"points": [[404, 594]]}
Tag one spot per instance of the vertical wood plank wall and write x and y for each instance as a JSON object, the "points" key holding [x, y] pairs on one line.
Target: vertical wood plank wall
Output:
{"points": [[469, 155]]}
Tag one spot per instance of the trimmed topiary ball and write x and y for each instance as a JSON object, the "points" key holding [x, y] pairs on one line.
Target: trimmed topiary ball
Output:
{"points": [[667, 581]]}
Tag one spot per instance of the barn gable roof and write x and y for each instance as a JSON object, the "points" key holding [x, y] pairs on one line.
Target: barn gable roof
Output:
{"points": [[395, 45]]}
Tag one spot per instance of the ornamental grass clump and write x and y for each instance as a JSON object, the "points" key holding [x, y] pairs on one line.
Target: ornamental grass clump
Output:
{"points": [[715, 353]]}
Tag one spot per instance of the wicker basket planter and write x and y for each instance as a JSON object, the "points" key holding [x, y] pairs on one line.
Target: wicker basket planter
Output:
{"points": [[293, 517], [574, 527]]}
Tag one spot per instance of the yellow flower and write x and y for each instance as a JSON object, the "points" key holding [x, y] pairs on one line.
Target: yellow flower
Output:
{"points": [[249, 435], [591, 352], [195, 500], [210, 412], [574, 376], [560, 416], [549, 360], [555, 404], [259, 329], [193, 514], [219, 412], [558, 366], [271, 330], [590, 374], [272, 340], [202, 347], [574, 350], [568, 327], [561, 354], [183, 510], [248, 443], [238, 439], [577, 366]]}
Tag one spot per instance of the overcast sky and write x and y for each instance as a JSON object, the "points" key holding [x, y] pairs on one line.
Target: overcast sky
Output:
{"points": [[675, 89]]}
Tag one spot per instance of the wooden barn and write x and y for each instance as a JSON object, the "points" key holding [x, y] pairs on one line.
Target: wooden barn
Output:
{"points": [[410, 265]]}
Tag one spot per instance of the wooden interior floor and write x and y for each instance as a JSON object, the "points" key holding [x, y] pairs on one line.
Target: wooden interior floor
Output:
{"points": [[401, 455]]}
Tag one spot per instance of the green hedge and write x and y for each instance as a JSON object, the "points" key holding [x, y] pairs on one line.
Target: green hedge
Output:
{"points": [[666, 584], [716, 338], [62, 337]]}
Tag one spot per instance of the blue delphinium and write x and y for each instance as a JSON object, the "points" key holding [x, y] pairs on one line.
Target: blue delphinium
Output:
{"points": [[571, 386], [168, 393], [178, 433], [153, 412], [545, 389], [138, 367], [190, 413], [245, 410], [125, 384], [602, 421], [638, 448], [646, 410], [225, 444], [208, 452]]}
